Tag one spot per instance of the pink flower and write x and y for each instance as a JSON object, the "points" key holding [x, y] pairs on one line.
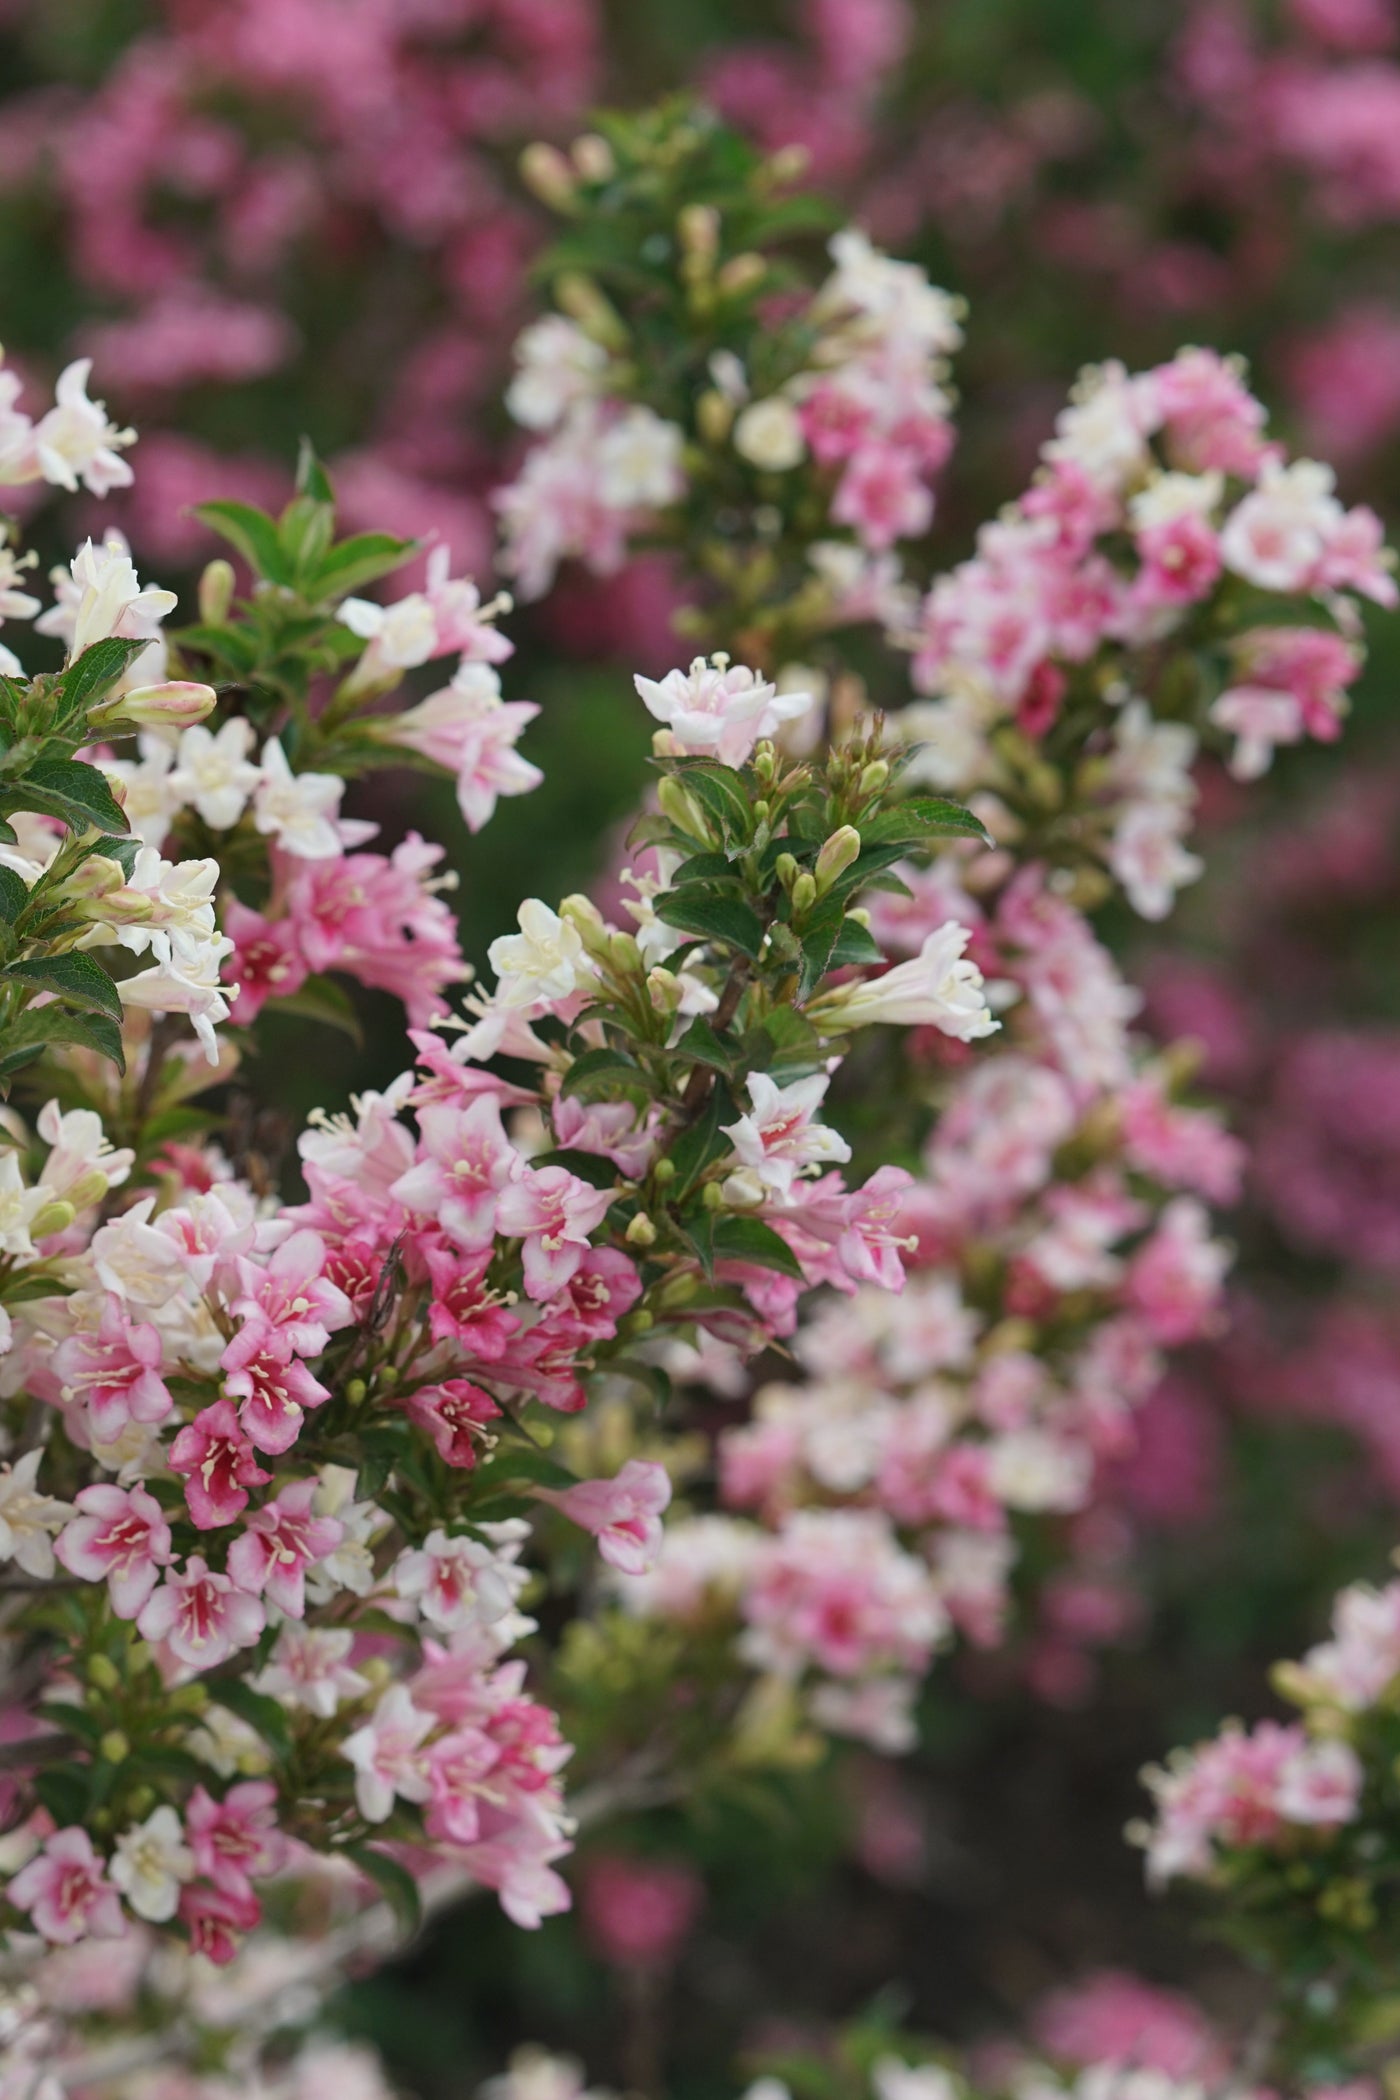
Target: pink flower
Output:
{"points": [[267, 962], [66, 1892], [638, 1912], [1181, 561], [469, 730], [291, 1297], [454, 1414], [236, 1838], [1174, 1280], [273, 1391], [216, 1920], [553, 1212], [116, 1372], [717, 709], [122, 1537], [388, 1756], [200, 1617], [465, 1160], [882, 497], [457, 1765], [778, 1137], [624, 1513], [463, 1308], [219, 1466], [279, 1543]]}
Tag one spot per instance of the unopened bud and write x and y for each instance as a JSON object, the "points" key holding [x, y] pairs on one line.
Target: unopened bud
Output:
{"points": [[97, 876], [712, 1196], [875, 776], [714, 416], [88, 1189], [804, 893], [377, 1668], [177, 704], [216, 591], [786, 870], [641, 1232], [189, 1699], [639, 1322], [742, 273], [861, 915], [114, 1747], [624, 954], [788, 164], [664, 1171], [840, 852], [677, 805], [593, 157], [54, 1217], [356, 1392], [582, 301], [699, 231], [583, 914], [103, 1672], [544, 170], [664, 990]]}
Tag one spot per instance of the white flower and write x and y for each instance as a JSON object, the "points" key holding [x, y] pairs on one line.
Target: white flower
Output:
{"points": [[148, 794], [558, 365], [298, 810], [309, 1669], [1277, 535], [1029, 1469], [109, 596], [895, 2080], [187, 984], [896, 294], [1168, 497], [388, 1757], [75, 442], [28, 1518], [1147, 856], [460, 1582], [639, 462], [1104, 429], [938, 988], [541, 964], [19, 1206], [214, 773], [1152, 759], [719, 708], [80, 1151], [769, 435], [778, 1137], [1260, 718], [149, 1863]]}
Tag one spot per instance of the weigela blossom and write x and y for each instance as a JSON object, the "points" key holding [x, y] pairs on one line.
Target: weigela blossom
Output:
{"points": [[719, 707]]}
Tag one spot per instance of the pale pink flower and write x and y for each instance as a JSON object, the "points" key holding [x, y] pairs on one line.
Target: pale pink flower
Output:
{"points": [[277, 1545], [552, 1212], [115, 1373], [66, 1892], [624, 1513], [236, 1838], [200, 1617], [778, 1138], [719, 709], [120, 1536], [388, 1756]]}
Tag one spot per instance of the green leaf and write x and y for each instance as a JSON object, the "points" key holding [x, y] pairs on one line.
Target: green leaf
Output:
{"points": [[394, 1883], [923, 817], [854, 944], [702, 1141], [263, 1715], [66, 788], [593, 1167], [65, 1792], [253, 534], [34, 1031], [703, 1046], [322, 999], [95, 673], [604, 1075], [749, 1239], [13, 895], [76, 979], [356, 562], [305, 529], [312, 478], [720, 791], [715, 915]]}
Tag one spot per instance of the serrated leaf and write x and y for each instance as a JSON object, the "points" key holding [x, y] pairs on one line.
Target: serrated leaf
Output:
{"points": [[66, 788], [305, 529], [703, 1046], [95, 673], [253, 534], [34, 1031], [923, 817], [701, 1141], [721, 793], [356, 562], [593, 1167], [603, 1075], [749, 1239], [76, 979], [394, 1883], [13, 895], [714, 915], [854, 944]]}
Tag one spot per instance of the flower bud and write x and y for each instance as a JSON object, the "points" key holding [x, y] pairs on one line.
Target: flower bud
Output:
{"points": [[103, 1672], [216, 591], [664, 991], [714, 416], [544, 170], [582, 301], [356, 1392], [593, 157], [664, 1171], [875, 776], [88, 1189], [804, 893], [678, 806], [114, 1748], [624, 954], [712, 1196], [786, 870], [54, 1217], [641, 1232], [742, 273], [95, 877], [840, 852], [177, 704]]}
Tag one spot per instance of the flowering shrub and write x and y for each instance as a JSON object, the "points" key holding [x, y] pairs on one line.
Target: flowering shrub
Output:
{"points": [[293, 1489]]}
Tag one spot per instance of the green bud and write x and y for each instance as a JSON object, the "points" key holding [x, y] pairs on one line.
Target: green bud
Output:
{"points": [[786, 870], [624, 955], [741, 274], [640, 1322], [664, 1171], [114, 1747], [840, 852], [875, 776], [216, 592], [388, 1374], [641, 1232], [88, 1188], [593, 157], [356, 1391], [804, 893], [103, 1673], [712, 1196], [544, 170], [714, 416], [664, 990], [677, 805], [54, 1217]]}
